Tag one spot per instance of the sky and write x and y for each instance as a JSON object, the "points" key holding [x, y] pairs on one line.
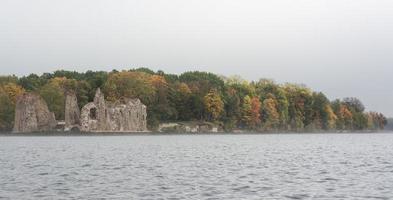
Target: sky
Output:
{"points": [[341, 47]]}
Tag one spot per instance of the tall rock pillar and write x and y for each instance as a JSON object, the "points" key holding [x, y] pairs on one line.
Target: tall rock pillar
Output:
{"points": [[72, 112], [99, 101]]}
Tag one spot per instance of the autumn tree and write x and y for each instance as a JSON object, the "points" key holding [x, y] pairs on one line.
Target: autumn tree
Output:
{"points": [[345, 118], [331, 118], [12, 90], [127, 84], [266, 88], [169, 97], [376, 121], [9, 92], [270, 115], [246, 118], [213, 105], [255, 112]]}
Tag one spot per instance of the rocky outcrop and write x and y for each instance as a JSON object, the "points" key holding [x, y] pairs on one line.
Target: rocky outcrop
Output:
{"points": [[190, 127], [127, 115], [32, 114], [99, 101], [72, 112], [89, 118]]}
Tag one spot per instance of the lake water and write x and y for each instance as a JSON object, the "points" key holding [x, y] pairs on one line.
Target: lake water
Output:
{"points": [[273, 166]]}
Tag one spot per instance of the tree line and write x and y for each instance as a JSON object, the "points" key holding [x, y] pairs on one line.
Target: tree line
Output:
{"points": [[389, 125], [231, 102]]}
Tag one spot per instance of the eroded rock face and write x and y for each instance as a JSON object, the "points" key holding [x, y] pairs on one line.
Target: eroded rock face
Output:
{"points": [[88, 117], [129, 115], [72, 112], [32, 114], [99, 101]]}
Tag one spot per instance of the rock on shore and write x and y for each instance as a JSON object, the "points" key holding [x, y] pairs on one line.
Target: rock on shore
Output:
{"points": [[32, 114], [72, 112]]}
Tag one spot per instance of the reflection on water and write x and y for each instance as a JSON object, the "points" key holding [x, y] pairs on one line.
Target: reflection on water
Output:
{"points": [[284, 166]]}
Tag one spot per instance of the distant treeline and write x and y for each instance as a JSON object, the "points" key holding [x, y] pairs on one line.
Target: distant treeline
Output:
{"points": [[389, 126], [231, 102]]}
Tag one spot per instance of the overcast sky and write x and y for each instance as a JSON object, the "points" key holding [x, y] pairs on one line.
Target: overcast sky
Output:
{"points": [[341, 47]]}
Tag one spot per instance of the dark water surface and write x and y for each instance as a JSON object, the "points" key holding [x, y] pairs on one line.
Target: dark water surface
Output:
{"points": [[281, 166]]}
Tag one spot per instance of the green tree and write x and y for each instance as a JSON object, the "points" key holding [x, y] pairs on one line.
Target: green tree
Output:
{"points": [[246, 112], [232, 108], [53, 94], [299, 105], [7, 111]]}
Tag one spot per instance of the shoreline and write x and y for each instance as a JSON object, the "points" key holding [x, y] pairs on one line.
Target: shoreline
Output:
{"points": [[40, 134]]}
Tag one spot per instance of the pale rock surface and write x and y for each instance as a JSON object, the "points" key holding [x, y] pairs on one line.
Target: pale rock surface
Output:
{"points": [[72, 112], [32, 114], [128, 115]]}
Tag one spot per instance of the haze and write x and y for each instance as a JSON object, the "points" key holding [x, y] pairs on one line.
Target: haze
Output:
{"points": [[341, 47]]}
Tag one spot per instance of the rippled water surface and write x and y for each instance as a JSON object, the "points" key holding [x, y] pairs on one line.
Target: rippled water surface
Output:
{"points": [[282, 166]]}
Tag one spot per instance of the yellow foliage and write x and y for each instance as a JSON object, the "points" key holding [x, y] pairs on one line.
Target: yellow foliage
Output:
{"points": [[13, 91], [331, 118], [184, 89], [158, 81], [272, 117], [213, 104], [130, 84]]}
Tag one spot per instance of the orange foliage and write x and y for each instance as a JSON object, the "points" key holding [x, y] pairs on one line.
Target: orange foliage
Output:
{"points": [[255, 112]]}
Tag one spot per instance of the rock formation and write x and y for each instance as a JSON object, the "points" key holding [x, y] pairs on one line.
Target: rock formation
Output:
{"points": [[99, 101], [32, 114], [72, 112], [128, 115]]}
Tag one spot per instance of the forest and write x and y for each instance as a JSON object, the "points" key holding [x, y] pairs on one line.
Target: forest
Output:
{"points": [[231, 102]]}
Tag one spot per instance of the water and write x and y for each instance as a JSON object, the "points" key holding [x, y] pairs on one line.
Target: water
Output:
{"points": [[284, 166]]}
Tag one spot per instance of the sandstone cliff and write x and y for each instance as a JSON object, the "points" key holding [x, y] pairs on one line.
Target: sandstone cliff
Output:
{"points": [[128, 115], [72, 112], [32, 114]]}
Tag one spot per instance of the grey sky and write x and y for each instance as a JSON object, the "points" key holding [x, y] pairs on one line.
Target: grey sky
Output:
{"points": [[341, 47]]}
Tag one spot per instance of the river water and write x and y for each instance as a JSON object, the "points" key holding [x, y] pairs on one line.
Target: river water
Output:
{"points": [[271, 166]]}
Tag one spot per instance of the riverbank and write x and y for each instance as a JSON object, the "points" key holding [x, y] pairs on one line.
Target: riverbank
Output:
{"points": [[62, 133]]}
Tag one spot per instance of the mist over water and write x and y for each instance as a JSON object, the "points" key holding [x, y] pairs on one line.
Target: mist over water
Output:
{"points": [[280, 166]]}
